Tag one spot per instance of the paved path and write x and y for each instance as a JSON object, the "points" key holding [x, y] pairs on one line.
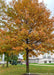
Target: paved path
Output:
{"points": [[41, 65]]}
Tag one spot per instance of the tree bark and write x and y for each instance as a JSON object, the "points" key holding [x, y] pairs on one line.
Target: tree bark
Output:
{"points": [[27, 61], [7, 63]]}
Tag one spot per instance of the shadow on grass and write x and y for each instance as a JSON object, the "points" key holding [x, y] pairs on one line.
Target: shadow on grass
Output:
{"points": [[39, 74]]}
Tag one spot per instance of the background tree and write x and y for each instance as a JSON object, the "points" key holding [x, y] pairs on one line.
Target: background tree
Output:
{"points": [[29, 24], [6, 44], [6, 40]]}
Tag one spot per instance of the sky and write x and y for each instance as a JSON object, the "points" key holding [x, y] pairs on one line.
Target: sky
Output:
{"points": [[49, 4]]}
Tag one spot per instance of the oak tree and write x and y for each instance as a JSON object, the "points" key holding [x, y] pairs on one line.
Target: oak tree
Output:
{"points": [[30, 26]]}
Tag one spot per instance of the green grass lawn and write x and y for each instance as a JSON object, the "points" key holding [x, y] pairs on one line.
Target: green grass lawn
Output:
{"points": [[33, 63], [48, 64], [21, 69], [0, 59], [43, 63]]}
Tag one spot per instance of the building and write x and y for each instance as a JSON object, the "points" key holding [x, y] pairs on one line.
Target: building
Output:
{"points": [[46, 58]]}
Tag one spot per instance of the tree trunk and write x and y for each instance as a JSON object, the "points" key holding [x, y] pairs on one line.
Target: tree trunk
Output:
{"points": [[27, 61], [3, 65], [7, 64], [7, 61]]}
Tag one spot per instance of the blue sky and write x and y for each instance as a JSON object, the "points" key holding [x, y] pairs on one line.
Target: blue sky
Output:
{"points": [[49, 4]]}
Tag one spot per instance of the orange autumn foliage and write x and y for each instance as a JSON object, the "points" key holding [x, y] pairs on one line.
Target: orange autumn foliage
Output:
{"points": [[28, 25]]}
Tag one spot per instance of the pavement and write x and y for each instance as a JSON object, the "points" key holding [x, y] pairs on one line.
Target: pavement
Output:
{"points": [[2, 62]]}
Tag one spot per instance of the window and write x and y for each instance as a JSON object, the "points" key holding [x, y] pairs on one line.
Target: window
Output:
{"points": [[33, 56], [49, 57], [44, 56], [49, 61], [45, 61]]}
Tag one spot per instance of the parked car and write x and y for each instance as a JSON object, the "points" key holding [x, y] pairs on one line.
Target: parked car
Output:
{"points": [[19, 62], [13, 62]]}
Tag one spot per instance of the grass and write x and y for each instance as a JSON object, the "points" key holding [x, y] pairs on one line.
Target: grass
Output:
{"points": [[43, 63], [0, 59], [48, 64], [21, 69], [33, 63]]}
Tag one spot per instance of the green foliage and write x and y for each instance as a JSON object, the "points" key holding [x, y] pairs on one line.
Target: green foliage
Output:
{"points": [[11, 57], [14, 57], [7, 58]]}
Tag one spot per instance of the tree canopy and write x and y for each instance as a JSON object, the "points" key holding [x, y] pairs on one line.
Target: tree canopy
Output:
{"points": [[26, 26], [28, 21]]}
